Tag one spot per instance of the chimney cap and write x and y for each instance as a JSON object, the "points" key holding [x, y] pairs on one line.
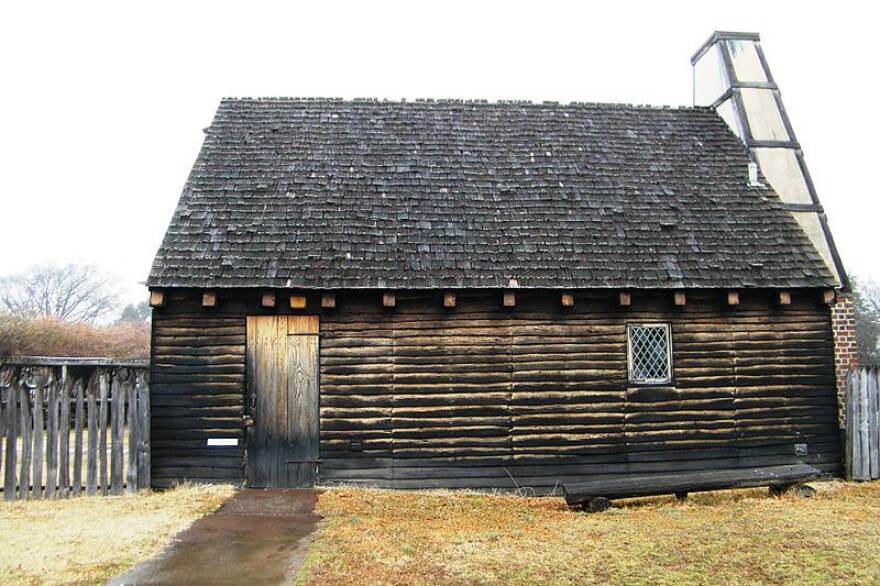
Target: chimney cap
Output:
{"points": [[723, 36]]}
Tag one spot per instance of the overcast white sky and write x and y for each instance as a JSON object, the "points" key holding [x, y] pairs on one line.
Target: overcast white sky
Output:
{"points": [[102, 105]]}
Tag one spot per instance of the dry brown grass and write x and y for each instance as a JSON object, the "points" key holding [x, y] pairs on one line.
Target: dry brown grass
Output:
{"points": [[87, 540], [729, 537]]}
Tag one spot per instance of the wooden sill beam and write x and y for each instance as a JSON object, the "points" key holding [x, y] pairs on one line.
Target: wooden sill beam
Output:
{"points": [[733, 298], [449, 299], [509, 299], [567, 300], [298, 302], [625, 298], [328, 300], [157, 298], [209, 299], [388, 299], [268, 299]]}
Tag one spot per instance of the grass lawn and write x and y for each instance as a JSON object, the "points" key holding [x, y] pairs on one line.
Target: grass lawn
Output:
{"points": [[729, 537], [87, 540]]}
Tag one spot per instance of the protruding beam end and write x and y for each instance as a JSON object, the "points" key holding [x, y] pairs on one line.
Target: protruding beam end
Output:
{"points": [[157, 298], [209, 299]]}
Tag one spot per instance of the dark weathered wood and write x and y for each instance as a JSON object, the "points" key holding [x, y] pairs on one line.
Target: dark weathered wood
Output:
{"points": [[4, 423], [428, 385], [328, 300], [64, 434], [283, 443], [389, 299], [302, 408], [103, 415], [26, 429], [597, 504], [117, 428], [862, 455], [38, 436], [635, 486], [92, 453], [144, 451], [52, 439], [75, 361], [78, 420], [40, 467], [12, 430], [625, 298], [131, 422]]}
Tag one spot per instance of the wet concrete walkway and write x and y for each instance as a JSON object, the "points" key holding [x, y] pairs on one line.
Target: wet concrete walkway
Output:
{"points": [[257, 537]]}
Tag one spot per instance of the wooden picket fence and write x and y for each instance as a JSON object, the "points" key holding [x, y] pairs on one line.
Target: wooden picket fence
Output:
{"points": [[862, 459], [70, 426]]}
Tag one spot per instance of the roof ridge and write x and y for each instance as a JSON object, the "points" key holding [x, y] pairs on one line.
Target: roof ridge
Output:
{"points": [[466, 102]]}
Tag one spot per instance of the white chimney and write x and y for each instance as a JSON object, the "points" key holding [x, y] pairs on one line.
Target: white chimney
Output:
{"points": [[731, 75]]}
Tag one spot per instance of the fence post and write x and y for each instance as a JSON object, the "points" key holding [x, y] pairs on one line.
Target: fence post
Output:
{"points": [[873, 423], [38, 453], [11, 456], [863, 425], [52, 437], [37, 419], [131, 475], [117, 424], [64, 434], [143, 407], [79, 413]]}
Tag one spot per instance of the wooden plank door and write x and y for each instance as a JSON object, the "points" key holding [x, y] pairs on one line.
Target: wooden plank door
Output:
{"points": [[282, 362]]}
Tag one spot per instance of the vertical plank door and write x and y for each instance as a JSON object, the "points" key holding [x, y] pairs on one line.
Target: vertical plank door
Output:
{"points": [[282, 395]]}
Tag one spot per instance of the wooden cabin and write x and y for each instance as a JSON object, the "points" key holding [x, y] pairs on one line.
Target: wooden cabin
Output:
{"points": [[486, 295]]}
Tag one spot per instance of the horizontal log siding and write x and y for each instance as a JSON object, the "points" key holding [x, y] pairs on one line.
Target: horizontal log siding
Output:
{"points": [[198, 375], [484, 396], [488, 397]]}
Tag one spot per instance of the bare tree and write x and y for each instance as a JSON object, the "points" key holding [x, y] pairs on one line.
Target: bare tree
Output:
{"points": [[867, 305], [71, 292]]}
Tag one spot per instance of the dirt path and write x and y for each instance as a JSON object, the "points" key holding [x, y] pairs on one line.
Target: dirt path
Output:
{"points": [[257, 537]]}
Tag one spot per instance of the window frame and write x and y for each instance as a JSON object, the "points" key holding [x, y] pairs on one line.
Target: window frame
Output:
{"points": [[667, 327]]}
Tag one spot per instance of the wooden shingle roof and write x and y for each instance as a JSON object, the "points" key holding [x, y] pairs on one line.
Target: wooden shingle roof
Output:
{"points": [[369, 194]]}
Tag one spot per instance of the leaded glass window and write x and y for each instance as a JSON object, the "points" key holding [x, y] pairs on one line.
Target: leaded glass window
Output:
{"points": [[650, 353]]}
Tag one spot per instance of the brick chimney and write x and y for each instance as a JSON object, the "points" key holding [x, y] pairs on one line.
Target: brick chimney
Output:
{"points": [[732, 76]]}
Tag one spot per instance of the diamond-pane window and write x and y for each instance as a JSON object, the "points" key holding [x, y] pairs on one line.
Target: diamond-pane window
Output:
{"points": [[650, 353]]}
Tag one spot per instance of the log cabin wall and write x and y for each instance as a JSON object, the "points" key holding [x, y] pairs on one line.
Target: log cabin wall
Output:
{"points": [[486, 396]]}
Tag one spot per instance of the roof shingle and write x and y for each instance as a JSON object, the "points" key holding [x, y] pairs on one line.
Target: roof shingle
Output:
{"points": [[354, 194]]}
